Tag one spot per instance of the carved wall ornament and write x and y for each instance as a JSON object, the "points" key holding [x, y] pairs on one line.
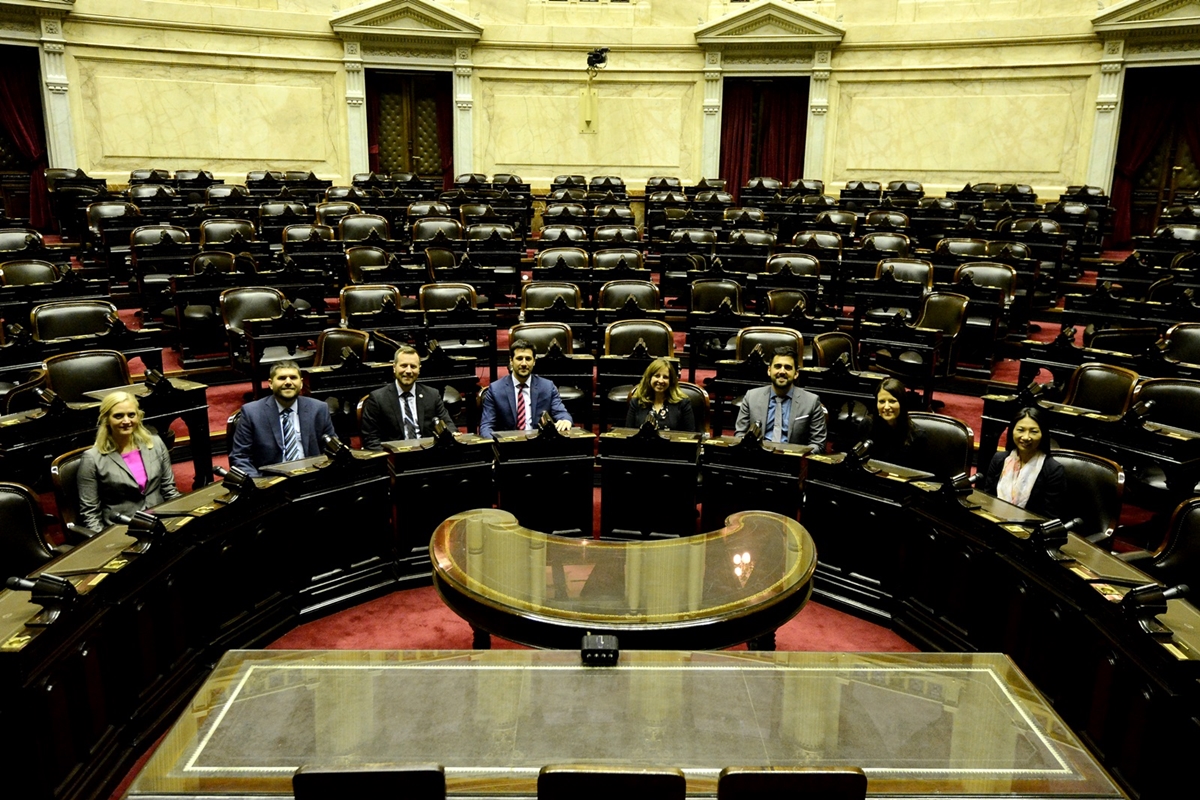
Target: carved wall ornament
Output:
{"points": [[794, 58], [428, 23], [18, 24], [352, 48], [405, 52], [1111, 67], [1159, 11], [773, 22], [1164, 47]]}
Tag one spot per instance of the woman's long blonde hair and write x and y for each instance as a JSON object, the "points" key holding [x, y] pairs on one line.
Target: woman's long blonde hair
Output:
{"points": [[644, 393], [104, 437]]}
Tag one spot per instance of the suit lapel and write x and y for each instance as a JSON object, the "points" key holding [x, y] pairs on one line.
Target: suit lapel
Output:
{"points": [[119, 460], [506, 390], [272, 409], [394, 411]]}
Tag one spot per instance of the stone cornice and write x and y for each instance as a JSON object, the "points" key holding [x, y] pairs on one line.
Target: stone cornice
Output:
{"points": [[770, 26]]}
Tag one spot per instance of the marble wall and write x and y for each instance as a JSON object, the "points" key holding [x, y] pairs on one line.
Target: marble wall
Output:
{"points": [[942, 91]]}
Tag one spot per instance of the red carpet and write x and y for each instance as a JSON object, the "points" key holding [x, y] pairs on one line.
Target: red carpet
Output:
{"points": [[416, 619]]}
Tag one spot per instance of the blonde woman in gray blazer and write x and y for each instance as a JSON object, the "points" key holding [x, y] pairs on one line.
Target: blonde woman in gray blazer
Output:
{"points": [[128, 468]]}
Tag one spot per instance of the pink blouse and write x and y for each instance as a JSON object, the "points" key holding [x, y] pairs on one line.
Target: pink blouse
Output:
{"points": [[133, 460]]}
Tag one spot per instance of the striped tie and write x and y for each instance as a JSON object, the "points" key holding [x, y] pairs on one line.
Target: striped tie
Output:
{"points": [[410, 416], [521, 406], [768, 434], [291, 439]]}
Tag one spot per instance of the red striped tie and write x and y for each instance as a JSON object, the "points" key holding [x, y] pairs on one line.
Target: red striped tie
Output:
{"points": [[520, 406]]}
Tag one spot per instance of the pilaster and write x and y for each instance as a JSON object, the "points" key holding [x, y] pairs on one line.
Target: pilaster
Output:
{"points": [[1106, 129], [818, 108], [356, 106], [60, 136], [710, 156], [464, 104]]}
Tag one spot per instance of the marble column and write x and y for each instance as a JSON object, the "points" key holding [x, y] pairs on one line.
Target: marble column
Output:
{"points": [[818, 108], [1106, 129], [56, 102], [356, 107], [464, 103], [710, 153]]}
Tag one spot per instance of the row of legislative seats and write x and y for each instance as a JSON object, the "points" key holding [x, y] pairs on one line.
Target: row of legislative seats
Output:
{"points": [[572, 781]]}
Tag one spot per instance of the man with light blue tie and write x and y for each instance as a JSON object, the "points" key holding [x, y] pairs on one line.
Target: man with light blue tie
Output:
{"points": [[784, 412], [282, 427]]}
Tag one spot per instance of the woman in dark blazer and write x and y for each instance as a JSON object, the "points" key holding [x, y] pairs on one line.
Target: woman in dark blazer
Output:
{"points": [[658, 395], [1027, 475], [894, 437], [128, 468]]}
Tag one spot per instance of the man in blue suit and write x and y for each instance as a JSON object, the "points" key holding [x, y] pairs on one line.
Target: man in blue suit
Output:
{"points": [[282, 427], [516, 401]]}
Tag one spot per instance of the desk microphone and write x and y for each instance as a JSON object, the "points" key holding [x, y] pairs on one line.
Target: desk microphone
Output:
{"points": [[1144, 603], [143, 526], [51, 592]]}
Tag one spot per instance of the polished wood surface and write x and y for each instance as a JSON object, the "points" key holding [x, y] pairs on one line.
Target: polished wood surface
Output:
{"points": [[712, 590]]}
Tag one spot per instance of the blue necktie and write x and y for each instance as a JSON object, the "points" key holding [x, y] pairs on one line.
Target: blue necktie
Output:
{"points": [[768, 435], [291, 440]]}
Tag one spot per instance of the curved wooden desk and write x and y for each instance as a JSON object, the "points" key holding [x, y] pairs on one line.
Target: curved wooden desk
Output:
{"points": [[730, 586]]}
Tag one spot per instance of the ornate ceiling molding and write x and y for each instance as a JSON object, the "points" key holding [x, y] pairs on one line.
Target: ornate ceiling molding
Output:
{"points": [[410, 21], [1150, 19], [771, 28]]}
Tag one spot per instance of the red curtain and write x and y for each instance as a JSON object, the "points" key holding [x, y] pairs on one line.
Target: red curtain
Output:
{"points": [[445, 130], [737, 130], [1145, 120], [783, 124], [21, 118]]}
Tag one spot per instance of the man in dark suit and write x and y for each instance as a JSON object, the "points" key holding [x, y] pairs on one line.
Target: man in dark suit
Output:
{"points": [[282, 427], [403, 409], [516, 401], [784, 412]]}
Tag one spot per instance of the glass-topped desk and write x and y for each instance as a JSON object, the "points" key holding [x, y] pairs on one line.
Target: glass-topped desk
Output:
{"points": [[920, 725], [714, 590]]}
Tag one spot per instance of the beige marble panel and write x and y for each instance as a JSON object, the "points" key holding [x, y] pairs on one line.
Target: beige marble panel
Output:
{"points": [[225, 119], [532, 128], [208, 120], [950, 132]]}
